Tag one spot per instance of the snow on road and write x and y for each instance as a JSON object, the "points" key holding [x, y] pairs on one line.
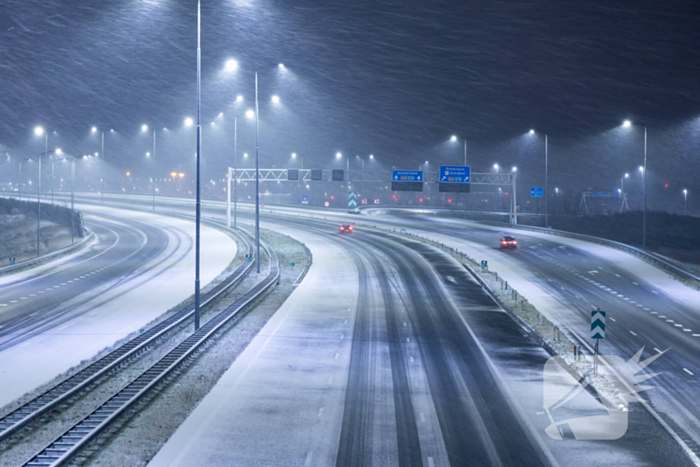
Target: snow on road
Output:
{"points": [[122, 309], [284, 395]]}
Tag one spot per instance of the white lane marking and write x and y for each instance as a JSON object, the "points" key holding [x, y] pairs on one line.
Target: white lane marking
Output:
{"points": [[431, 462], [696, 335], [688, 371], [678, 325], [337, 355], [405, 324], [342, 336], [632, 301], [345, 322], [626, 298], [34, 314], [654, 291], [631, 332], [634, 283], [63, 283], [70, 282], [408, 339], [687, 330], [657, 350], [613, 318], [411, 358], [640, 305], [320, 412], [309, 455], [668, 320], [617, 275], [3, 304], [422, 417], [620, 295], [22, 298], [62, 327], [32, 295], [14, 301]]}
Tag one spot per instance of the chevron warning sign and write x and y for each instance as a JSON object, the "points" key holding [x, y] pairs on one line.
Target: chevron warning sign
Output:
{"points": [[597, 324], [352, 199]]}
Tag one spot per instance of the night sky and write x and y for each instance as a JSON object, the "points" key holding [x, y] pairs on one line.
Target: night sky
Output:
{"points": [[392, 78]]}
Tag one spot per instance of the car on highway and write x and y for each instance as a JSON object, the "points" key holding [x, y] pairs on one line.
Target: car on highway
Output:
{"points": [[345, 228], [509, 242]]}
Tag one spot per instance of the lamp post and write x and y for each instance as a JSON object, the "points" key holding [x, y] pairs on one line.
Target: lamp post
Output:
{"points": [[643, 169], [685, 201], [40, 131], [257, 179], [199, 138]]}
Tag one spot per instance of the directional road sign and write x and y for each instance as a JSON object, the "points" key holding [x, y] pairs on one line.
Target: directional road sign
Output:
{"points": [[304, 199], [352, 199], [455, 174], [597, 324], [536, 192], [600, 194], [407, 175]]}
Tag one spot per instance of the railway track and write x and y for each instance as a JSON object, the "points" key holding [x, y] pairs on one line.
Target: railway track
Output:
{"points": [[85, 378], [71, 442]]}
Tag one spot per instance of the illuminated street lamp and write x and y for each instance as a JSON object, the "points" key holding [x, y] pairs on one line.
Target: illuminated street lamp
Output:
{"points": [[275, 99], [495, 166], [685, 201], [643, 170], [250, 113], [231, 65]]}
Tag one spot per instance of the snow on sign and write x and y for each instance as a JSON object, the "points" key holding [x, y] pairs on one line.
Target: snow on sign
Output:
{"points": [[407, 175], [455, 174], [597, 324]]}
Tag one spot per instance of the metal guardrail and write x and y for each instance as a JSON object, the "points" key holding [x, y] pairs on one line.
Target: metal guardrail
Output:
{"points": [[638, 252], [66, 446], [29, 263], [70, 387]]}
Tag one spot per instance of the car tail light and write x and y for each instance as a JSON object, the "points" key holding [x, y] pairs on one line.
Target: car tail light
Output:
{"points": [[350, 228], [342, 228], [504, 242], [515, 242]]}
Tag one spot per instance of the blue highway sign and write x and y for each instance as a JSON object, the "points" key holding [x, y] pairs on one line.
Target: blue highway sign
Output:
{"points": [[455, 174], [600, 194], [407, 176], [536, 192], [304, 199]]}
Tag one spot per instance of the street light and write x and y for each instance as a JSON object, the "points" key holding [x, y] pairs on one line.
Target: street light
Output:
{"points": [[189, 122], [231, 65], [622, 182], [338, 155], [250, 113], [532, 132], [40, 131], [144, 128], [239, 98], [685, 201], [94, 129], [495, 166], [454, 140], [642, 169], [275, 99], [514, 169]]}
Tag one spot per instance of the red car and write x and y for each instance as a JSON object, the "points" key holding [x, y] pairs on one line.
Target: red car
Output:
{"points": [[346, 228]]}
